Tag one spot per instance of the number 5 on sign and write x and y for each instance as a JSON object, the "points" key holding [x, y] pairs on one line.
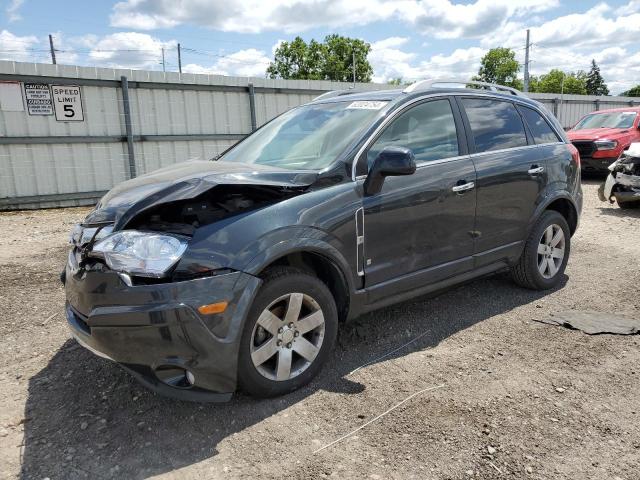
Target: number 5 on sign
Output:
{"points": [[67, 102]]}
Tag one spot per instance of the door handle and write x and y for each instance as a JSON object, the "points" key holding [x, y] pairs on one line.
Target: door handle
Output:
{"points": [[535, 170], [464, 187]]}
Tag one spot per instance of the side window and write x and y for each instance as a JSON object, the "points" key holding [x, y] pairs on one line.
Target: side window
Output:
{"points": [[495, 125], [540, 129], [428, 129]]}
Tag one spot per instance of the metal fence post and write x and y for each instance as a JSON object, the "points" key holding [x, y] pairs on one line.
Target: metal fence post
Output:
{"points": [[252, 107], [126, 106], [555, 107], [597, 102]]}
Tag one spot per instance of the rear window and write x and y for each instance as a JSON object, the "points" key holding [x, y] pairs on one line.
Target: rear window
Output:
{"points": [[540, 129], [495, 125]]}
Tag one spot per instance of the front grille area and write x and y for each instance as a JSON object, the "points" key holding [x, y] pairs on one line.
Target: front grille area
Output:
{"points": [[585, 148]]}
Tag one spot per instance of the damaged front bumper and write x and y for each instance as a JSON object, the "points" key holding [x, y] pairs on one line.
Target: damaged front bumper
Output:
{"points": [[624, 187], [156, 332]]}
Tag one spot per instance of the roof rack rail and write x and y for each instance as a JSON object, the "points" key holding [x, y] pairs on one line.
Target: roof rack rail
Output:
{"points": [[334, 93], [426, 84]]}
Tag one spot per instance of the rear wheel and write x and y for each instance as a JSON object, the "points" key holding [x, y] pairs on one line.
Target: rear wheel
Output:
{"points": [[545, 254], [288, 335]]}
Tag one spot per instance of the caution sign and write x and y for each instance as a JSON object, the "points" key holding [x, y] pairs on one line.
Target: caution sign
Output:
{"points": [[38, 98], [67, 103]]}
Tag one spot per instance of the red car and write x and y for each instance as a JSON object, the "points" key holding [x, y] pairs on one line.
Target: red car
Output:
{"points": [[601, 136]]}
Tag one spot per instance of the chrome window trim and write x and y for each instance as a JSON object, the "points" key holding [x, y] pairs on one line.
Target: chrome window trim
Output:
{"points": [[502, 150], [395, 114]]}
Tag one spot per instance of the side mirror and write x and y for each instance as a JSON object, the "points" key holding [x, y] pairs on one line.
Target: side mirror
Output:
{"points": [[390, 162]]}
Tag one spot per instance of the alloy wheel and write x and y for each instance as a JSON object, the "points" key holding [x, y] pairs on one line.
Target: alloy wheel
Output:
{"points": [[287, 337], [551, 251]]}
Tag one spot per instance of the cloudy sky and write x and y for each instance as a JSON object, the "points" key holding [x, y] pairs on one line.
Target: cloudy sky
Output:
{"points": [[410, 38]]}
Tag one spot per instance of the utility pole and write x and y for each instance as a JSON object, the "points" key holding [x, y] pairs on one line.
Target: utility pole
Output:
{"points": [[179, 60], [354, 69], [53, 50], [526, 64], [163, 66]]}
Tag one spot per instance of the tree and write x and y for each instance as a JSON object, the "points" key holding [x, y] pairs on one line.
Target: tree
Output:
{"points": [[500, 66], [594, 82], [330, 60], [632, 92], [552, 82]]}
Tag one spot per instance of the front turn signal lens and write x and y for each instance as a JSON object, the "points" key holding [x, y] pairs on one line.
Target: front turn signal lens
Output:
{"points": [[213, 308]]}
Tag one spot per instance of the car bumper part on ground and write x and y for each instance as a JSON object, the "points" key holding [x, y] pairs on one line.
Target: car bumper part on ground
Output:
{"points": [[156, 333]]}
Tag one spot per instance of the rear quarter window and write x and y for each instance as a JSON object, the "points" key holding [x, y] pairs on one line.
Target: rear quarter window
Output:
{"points": [[539, 127], [495, 124]]}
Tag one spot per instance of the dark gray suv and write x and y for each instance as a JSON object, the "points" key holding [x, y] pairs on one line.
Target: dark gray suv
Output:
{"points": [[207, 275]]}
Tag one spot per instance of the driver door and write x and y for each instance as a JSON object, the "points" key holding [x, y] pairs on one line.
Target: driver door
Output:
{"points": [[419, 228]]}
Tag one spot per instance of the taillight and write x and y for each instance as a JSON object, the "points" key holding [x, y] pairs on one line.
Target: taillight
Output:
{"points": [[575, 155]]}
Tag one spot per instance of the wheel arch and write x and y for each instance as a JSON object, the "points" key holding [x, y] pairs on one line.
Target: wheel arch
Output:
{"points": [[564, 205], [321, 260]]}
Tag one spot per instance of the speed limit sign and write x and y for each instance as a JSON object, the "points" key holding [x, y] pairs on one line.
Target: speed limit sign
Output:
{"points": [[67, 103]]}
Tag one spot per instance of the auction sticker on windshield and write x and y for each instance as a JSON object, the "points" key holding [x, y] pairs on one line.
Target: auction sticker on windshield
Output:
{"points": [[367, 105]]}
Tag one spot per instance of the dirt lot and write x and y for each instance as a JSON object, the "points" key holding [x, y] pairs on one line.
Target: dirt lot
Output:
{"points": [[518, 399]]}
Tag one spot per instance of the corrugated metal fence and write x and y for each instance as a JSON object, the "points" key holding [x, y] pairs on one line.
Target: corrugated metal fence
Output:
{"points": [[129, 122]]}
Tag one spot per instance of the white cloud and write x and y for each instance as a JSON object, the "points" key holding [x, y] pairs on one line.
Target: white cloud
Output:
{"points": [[243, 63], [595, 27], [130, 50], [441, 18], [389, 61], [444, 19], [14, 47], [632, 7], [12, 10], [249, 16]]}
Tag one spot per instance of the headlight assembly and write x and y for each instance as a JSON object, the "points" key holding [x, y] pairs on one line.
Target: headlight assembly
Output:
{"points": [[146, 254], [606, 144]]}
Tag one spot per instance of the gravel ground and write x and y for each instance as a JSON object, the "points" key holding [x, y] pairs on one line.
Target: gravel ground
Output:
{"points": [[515, 399]]}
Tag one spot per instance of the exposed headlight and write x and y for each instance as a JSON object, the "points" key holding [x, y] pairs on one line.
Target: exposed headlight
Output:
{"points": [[81, 236], [606, 144], [146, 254]]}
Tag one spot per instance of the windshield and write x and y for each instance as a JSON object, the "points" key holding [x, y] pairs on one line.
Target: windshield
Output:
{"points": [[310, 137], [607, 120]]}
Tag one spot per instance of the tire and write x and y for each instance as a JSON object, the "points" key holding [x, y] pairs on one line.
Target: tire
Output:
{"points": [[269, 343], [531, 271], [629, 205]]}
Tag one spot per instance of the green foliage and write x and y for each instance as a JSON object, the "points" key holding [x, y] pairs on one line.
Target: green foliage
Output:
{"points": [[330, 60], [499, 66], [594, 82], [552, 82], [395, 81], [632, 92]]}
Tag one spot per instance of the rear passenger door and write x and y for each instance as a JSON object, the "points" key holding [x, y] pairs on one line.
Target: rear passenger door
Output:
{"points": [[511, 175]]}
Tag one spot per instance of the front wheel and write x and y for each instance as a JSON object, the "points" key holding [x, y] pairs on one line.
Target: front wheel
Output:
{"points": [[288, 335], [545, 253]]}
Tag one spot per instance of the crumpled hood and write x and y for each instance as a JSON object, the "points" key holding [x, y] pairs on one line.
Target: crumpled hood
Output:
{"points": [[598, 133], [186, 180]]}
